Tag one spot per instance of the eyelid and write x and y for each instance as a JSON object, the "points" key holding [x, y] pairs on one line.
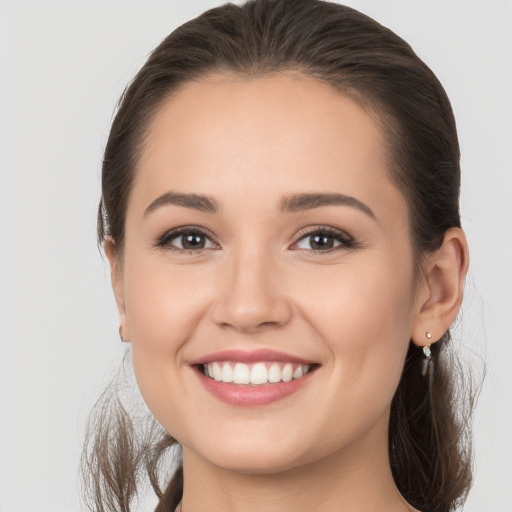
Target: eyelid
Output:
{"points": [[163, 241], [347, 240]]}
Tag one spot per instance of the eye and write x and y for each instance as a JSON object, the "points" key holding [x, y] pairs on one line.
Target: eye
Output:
{"points": [[186, 240], [324, 240]]}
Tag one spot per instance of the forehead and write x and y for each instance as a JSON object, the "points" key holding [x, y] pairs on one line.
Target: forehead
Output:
{"points": [[275, 134], [280, 108]]}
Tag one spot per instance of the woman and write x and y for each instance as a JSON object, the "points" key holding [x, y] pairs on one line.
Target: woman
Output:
{"points": [[280, 215]]}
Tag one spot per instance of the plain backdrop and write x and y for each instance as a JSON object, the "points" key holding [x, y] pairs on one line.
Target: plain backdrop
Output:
{"points": [[63, 65]]}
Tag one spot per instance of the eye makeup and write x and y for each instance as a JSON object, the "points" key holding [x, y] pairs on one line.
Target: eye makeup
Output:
{"points": [[314, 239]]}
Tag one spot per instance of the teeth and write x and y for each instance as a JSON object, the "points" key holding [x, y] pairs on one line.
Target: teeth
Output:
{"points": [[287, 373], [227, 373], [241, 373], [255, 374], [274, 373], [217, 371], [259, 374]]}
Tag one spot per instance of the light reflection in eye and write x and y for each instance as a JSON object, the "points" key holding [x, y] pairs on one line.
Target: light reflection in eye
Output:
{"points": [[190, 240], [324, 240]]}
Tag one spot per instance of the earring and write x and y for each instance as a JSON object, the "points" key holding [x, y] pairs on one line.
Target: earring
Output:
{"points": [[121, 334], [426, 348]]}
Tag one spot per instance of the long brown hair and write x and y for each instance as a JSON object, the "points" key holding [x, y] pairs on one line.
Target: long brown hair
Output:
{"points": [[429, 438]]}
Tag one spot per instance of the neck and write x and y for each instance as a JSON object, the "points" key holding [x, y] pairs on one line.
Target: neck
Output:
{"points": [[356, 478]]}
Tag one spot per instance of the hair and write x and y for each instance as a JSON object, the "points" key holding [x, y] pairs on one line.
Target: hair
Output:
{"points": [[429, 432]]}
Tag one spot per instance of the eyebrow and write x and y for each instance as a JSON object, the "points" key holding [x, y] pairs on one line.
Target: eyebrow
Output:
{"points": [[290, 204], [301, 202], [194, 201]]}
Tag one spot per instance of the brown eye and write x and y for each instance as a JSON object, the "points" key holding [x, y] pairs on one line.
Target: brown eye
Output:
{"points": [[324, 241], [189, 240], [193, 241], [321, 241]]}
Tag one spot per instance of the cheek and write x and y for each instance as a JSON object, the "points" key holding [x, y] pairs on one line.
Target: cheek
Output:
{"points": [[364, 315], [162, 304], [364, 320]]}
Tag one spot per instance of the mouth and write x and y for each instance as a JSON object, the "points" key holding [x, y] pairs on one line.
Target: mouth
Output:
{"points": [[253, 378]]}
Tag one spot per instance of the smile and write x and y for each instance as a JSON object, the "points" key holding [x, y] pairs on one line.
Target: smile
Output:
{"points": [[246, 379], [256, 374]]}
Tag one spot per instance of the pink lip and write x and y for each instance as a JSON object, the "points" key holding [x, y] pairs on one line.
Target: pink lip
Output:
{"points": [[242, 356], [244, 395]]}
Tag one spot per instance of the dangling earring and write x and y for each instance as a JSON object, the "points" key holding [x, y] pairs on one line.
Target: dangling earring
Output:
{"points": [[121, 334], [426, 348], [428, 353]]}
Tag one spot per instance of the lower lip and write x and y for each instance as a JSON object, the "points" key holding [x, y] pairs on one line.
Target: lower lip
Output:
{"points": [[244, 395]]}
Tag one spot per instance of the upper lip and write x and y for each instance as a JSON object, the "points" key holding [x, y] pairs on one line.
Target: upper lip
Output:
{"points": [[243, 356]]}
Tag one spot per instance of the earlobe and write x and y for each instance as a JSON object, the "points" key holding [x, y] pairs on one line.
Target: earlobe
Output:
{"points": [[442, 289], [116, 278]]}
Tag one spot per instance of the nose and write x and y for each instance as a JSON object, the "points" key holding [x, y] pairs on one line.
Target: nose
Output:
{"points": [[252, 296]]}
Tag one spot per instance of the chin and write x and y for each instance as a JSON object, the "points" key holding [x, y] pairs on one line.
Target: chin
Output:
{"points": [[259, 455], [256, 462]]}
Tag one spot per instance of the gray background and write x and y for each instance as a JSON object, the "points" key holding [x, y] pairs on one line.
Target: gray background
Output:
{"points": [[63, 65]]}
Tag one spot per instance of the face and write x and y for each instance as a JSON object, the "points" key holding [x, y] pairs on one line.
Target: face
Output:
{"points": [[266, 244]]}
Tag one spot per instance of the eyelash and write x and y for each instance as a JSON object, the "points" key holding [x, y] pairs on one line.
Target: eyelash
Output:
{"points": [[345, 241], [164, 241]]}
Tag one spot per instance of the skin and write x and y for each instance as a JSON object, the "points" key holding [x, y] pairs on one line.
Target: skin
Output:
{"points": [[259, 283]]}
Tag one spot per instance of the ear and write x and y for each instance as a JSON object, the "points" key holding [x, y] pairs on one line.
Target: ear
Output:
{"points": [[440, 294], [116, 278]]}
